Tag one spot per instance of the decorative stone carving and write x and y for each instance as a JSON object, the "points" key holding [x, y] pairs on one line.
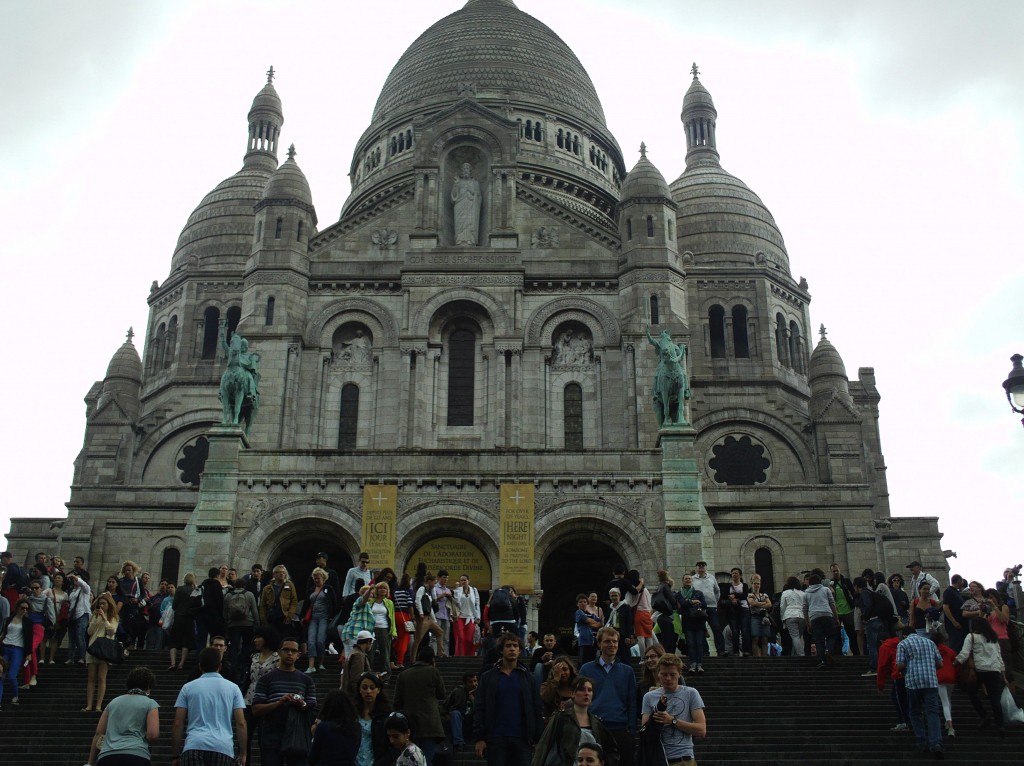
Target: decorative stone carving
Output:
{"points": [[466, 207], [385, 239], [573, 348], [352, 347], [251, 511], [545, 238]]}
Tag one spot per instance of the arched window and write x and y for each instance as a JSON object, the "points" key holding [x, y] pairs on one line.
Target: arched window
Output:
{"points": [[716, 325], [348, 422], [461, 371], [211, 320], [765, 566], [629, 228], [576, 145], [170, 341], [561, 139], [536, 131], [169, 564], [279, 228], [298, 232], [795, 356], [259, 230], [655, 319], [394, 146], [740, 343], [572, 398], [234, 317], [408, 139], [650, 226], [156, 352], [270, 311], [781, 342]]}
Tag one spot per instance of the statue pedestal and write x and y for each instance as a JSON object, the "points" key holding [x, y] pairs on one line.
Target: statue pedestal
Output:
{"points": [[208, 533], [689, 533]]}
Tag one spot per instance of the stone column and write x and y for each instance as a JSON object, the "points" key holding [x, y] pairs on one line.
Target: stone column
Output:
{"points": [[689, 533], [209, 528]]}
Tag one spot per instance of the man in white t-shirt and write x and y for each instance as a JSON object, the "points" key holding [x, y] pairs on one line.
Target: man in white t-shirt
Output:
{"points": [[210, 705], [678, 709]]}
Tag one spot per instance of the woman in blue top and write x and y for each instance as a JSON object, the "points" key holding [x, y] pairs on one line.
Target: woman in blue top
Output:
{"points": [[129, 724]]}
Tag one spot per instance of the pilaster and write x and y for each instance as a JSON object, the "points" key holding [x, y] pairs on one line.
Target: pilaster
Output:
{"points": [[209, 529], [689, 533]]}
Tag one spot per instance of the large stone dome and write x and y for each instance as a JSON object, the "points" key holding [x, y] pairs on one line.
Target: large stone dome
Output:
{"points": [[502, 52]]}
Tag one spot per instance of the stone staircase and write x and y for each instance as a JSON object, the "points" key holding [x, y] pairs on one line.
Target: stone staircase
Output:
{"points": [[760, 712]]}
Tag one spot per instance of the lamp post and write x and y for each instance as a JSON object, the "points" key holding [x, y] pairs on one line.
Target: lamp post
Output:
{"points": [[1014, 385]]}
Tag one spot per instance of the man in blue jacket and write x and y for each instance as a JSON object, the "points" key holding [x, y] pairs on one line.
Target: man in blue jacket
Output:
{"points": [[507, 718], [614, 693]]}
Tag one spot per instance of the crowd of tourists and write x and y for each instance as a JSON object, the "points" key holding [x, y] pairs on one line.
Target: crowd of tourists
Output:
{"points": [[567, 696]]}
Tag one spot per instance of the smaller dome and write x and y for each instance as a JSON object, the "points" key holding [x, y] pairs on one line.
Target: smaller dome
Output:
{"points": [[125, 363], [697, 95], [267, 100], [288, 182], [825, 362], [644, 181]]}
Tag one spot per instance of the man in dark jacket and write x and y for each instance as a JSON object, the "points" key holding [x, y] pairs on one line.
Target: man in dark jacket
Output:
{"points": [[507, 719], [210, 617]]}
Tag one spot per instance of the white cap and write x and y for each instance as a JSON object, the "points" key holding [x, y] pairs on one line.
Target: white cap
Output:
{"points": [[364, 635]]}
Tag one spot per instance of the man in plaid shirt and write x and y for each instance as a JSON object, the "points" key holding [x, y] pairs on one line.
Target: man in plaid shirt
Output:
{"points": [[917, 657]]}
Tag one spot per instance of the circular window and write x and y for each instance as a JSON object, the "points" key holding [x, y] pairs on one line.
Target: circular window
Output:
{"points": [[193, 461], [739, 461]]}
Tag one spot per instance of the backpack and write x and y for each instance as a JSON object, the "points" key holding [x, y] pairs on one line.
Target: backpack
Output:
{"points": [[501, 605], [881, 607], [237, 608], [196, 599]]}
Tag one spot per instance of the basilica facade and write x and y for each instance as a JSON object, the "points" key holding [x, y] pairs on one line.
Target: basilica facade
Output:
{"points": [[475, 326]]}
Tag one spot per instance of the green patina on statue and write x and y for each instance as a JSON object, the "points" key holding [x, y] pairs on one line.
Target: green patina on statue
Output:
{"points": [[671, 383], [239, 385]]}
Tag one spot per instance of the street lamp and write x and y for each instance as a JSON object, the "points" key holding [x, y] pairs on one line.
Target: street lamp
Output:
{"points": [[1014, 385]]}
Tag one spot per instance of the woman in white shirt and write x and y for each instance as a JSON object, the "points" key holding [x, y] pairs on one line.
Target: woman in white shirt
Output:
{"points": [[791, 608], [982, 645], [467, 602]]}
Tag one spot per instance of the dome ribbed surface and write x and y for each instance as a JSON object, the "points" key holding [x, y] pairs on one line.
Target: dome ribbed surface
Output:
{"points": [[500, 50], [288, 183], [222, 224], [644, 180], [825, 362], [697, 95], [125, 364], [267, 99], [721, 219]]}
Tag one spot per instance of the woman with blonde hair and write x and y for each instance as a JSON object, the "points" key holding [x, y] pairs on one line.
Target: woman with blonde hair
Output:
{"points": [[102, 624], [321, 605]]}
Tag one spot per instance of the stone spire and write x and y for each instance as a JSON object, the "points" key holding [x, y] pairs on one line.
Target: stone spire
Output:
{"points": [[265, 120], [699, 117]]}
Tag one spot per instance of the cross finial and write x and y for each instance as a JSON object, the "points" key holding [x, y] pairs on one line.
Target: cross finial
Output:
{"points": [[694, 71], [822, 331], [643, 150], [130, 334], [292, 152], [270, 75]]}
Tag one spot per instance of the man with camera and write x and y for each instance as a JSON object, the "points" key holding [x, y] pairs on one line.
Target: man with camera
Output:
{"points": [[678, 711], [277, 692]]}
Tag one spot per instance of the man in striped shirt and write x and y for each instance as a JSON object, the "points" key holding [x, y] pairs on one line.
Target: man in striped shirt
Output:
{"points": [[276, 692]]}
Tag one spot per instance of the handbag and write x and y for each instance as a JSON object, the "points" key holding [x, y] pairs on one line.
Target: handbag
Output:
{"points": [[966, 676], [297, 738], [64, 615], [108, 650]]}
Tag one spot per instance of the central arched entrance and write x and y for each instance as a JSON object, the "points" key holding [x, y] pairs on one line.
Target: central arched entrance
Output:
{"points": [[297, 544], [571, 568]]}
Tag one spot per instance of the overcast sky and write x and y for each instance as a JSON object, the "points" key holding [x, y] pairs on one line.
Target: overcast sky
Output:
{"points": [[885, 138]]}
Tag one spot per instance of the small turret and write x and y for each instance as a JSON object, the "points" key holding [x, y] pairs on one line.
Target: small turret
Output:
{"points": [[123, 381], [826, 374], [265, 120], [699, 116], [647, 214]]}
